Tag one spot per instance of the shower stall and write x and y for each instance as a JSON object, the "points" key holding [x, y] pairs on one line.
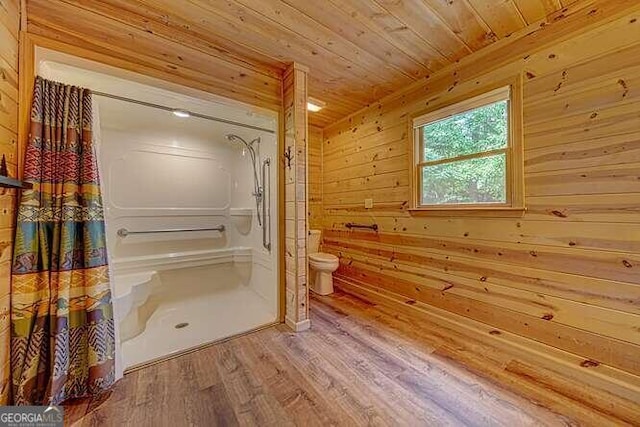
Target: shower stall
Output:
{"points": [[191, 209]]}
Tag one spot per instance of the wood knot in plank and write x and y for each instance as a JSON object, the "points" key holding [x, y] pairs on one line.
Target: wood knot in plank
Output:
{"points": [[547, 316], [589, 363], [625, 88]]}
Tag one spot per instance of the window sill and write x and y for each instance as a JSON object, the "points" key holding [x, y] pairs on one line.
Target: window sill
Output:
{"points": [[485, 211]]}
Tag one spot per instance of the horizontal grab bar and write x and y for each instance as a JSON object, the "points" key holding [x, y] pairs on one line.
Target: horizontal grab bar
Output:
{"points": [[123, 232], [373, 227]]}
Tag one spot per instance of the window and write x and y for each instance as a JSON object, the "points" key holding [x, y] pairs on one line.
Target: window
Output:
{"points": [[468, 155]]}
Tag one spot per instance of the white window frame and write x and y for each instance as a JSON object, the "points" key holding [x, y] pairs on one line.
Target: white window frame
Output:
{"points": [[510, 90]]}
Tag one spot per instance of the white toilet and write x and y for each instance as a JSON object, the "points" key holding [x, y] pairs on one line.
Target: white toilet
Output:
{"points": [[321, 266]]}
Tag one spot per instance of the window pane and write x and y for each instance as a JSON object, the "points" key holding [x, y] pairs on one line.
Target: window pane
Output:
{"points": [[480, 180], [473, 131]]}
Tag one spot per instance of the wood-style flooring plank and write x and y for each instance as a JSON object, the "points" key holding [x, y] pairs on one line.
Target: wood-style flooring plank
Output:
{"points": [[467, 398], [360, 364]]}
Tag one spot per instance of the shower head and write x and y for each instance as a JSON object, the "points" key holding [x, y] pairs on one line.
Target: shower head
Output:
{"points": [[255, 158], [235, 138]]}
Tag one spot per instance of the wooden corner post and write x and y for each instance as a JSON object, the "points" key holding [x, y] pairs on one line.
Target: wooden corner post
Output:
{"points": [[295, 172]]}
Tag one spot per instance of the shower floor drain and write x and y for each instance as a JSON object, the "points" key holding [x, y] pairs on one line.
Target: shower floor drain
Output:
{"points": [[181, 325]]}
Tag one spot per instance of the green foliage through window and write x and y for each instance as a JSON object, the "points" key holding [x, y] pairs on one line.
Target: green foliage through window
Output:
{"points": [[479, 180], [454, 180]]}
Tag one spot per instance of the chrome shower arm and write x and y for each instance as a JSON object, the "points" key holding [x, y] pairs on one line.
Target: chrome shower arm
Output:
{"points": [[257, 189]]}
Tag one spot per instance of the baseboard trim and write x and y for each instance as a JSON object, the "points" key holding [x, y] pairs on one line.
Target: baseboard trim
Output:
{"points": [[563, 365], [298, 326]]}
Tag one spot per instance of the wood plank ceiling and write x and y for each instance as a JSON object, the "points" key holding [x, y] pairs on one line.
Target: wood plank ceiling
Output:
{"points": [[357, 50]]}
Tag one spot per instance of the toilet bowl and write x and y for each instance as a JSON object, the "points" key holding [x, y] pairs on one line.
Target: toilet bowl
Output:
{"points": [[321, 265]]}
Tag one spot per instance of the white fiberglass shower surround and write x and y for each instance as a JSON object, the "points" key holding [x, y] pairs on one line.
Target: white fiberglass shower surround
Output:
{"points": [[191, 206]]}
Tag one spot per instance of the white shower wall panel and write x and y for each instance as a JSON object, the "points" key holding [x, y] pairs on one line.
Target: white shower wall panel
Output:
{"points": [[161, 172]]}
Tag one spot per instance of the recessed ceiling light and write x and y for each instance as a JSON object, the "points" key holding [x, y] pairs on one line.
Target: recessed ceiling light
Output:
{"points": [[181, 113], [315, 105]]}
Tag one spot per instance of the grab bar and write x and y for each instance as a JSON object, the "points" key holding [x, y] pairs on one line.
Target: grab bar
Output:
{"points": [[350, 225], [123, 232], [266, 204]]}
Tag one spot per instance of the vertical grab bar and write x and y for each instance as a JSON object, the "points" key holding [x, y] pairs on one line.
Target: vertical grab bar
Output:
{"points": [[266, 204]]}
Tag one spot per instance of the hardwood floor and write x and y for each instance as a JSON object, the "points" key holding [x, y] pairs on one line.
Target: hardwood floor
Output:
{"points": [[360, 364]]}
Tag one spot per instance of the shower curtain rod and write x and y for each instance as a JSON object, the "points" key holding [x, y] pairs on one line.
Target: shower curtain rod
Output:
{"points": [[191, 113]]}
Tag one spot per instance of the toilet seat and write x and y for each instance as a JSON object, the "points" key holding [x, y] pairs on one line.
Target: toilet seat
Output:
{"points": [[324, 262], [321, 257]]}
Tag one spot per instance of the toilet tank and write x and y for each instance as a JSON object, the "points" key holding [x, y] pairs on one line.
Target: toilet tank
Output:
{"points": [[313, 242]]}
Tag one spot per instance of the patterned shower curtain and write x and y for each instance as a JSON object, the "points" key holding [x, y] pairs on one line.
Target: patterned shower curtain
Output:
{"points": [[62, 343]]}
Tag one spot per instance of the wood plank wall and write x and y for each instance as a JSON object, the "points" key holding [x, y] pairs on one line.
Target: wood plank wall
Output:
{"points": [[314, 164], [135, 43], [9, 34], [294, 101], [567, 274]]}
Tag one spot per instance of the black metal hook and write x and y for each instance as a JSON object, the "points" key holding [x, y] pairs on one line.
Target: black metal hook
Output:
{"points": [[289, 156]]}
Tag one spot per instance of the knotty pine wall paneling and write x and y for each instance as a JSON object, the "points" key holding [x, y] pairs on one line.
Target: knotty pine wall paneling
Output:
{"points": [[9, 36], [315, 178], [112, 36], [567, 273]]}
